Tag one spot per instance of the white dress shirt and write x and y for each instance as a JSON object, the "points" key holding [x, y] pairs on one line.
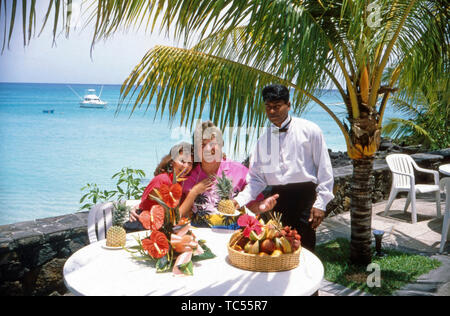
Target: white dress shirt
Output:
{"points": [[296, 156]]}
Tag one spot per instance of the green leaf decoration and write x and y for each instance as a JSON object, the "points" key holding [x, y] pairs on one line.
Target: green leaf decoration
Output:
{"points": [[160, 202], [163, 265], [174, 181], [208, 254], [187, 268]]}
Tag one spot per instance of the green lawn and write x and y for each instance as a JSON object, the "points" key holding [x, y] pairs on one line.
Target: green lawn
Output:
{"points": [[397, 268]]}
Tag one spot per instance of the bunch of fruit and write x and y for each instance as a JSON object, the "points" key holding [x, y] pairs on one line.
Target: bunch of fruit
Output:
{"points": [[273, 240]]}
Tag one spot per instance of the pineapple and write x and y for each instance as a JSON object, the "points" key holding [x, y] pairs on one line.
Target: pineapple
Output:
{"points": [[225, 191], [116, 235]]}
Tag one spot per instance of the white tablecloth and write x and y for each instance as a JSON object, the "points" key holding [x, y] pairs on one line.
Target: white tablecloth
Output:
{"points": [[94, 270]]}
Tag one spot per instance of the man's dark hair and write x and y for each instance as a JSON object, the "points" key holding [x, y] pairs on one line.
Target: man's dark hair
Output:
{"points": [[275, 92]]}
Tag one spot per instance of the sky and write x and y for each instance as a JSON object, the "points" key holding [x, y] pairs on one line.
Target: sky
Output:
{"points": [[70, 60]]}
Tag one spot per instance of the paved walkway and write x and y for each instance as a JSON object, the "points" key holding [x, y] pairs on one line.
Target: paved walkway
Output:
{"points": [[424, 237]]}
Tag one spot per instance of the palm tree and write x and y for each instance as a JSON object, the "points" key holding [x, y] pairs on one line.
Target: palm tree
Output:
{"points": [[232, 49], [427, 121]]}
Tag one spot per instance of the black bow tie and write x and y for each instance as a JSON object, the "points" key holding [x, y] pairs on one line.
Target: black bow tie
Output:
{"points": [[286, 128]]}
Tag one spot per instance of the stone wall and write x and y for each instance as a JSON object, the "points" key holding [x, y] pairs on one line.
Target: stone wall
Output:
{"points": [[381, 180], [32, 254]]}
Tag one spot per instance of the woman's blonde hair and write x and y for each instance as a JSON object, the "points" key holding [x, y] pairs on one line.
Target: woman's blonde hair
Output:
{"points": [[206, 130]]}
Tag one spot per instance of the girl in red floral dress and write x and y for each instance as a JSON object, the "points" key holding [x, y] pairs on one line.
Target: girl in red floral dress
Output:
{"points": [[179, 162]]}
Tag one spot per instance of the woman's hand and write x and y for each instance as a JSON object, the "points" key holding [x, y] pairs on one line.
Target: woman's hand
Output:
{"points": [[199, 188], [133, 214], [203, 186]]}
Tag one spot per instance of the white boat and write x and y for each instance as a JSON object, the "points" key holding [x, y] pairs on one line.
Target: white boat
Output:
{"points": [[91, 100]]}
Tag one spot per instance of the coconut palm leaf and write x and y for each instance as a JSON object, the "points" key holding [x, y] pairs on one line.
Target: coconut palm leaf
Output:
{"points": [[332, 29], [397, 127], [193, 79], [428, 112], [60, 10], [424, 37]]}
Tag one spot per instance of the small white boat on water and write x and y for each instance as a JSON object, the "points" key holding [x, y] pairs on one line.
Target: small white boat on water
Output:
{"points": [[91, 100]]}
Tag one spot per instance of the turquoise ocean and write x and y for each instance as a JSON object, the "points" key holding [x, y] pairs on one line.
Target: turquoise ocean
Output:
{"points": [[46, 158]]}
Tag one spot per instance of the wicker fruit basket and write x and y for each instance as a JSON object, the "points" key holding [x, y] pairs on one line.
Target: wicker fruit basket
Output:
{"points": [[267, 263]]}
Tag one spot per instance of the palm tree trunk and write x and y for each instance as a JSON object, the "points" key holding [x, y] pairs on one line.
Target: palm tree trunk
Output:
{"points": [[361, 212]]}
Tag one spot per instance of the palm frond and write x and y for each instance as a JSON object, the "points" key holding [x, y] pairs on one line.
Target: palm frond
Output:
{"points": [[187, 82], [428, 113], [423, 45], [397, 127], [410, 109], [112, 15], [57, 10]]}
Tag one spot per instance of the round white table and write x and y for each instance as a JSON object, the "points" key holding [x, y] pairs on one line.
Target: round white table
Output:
{"points": [[96, 271], [445, 169]]}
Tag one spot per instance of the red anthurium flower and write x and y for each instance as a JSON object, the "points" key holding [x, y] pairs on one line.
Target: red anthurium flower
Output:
{"points": [[157, 245], [171, 194], [250, 223], [145, 219], [157, 213], [153, 219]]}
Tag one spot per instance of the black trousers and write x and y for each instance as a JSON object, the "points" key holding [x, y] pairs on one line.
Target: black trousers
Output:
{"points": [[295, 203], [131, 227]]}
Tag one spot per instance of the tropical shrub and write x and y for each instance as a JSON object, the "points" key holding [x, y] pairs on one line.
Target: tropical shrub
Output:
{"points": [[128, 187], [427, 121]]}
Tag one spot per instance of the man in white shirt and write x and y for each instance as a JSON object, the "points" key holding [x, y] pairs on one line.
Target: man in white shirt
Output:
{"points": [[291, 157]]}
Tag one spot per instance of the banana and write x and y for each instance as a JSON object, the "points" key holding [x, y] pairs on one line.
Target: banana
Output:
{"points": [[271, 233], [278, 245], [286, 245]]}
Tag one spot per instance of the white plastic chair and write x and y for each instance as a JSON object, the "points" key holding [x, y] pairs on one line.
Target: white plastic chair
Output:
{"points": [[402, 167], [445, 185], [100, 219]]}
